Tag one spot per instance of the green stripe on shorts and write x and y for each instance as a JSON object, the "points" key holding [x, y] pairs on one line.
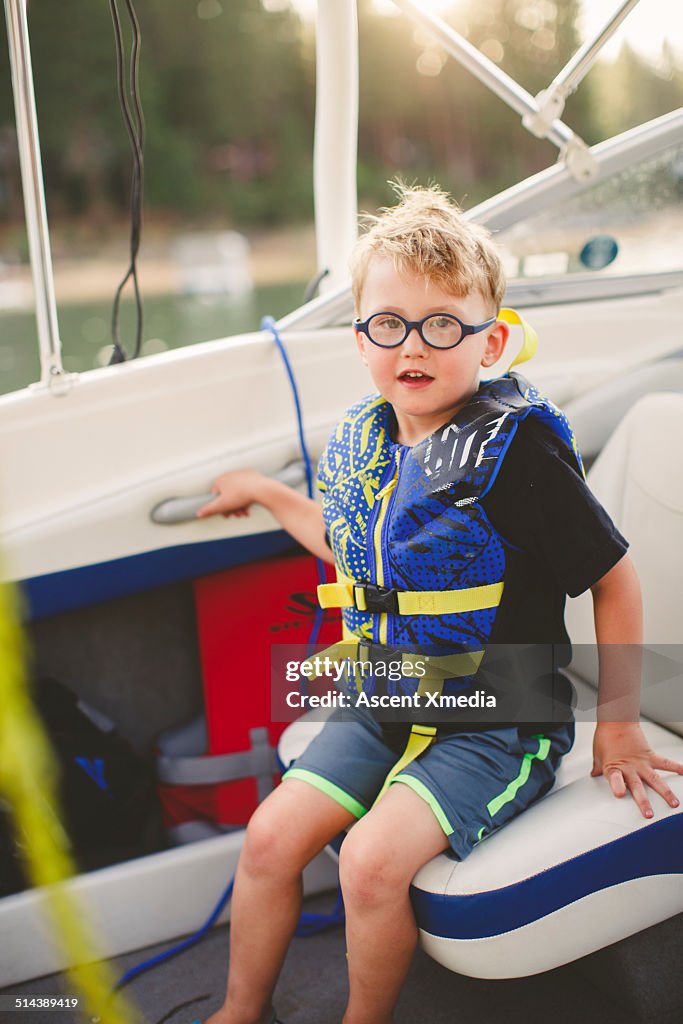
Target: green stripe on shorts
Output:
{"points": [[429, 798], [348, 802], [511, 790]]}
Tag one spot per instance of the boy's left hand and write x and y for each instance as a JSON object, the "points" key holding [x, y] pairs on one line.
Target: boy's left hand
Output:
{"points": [[622, 754]]}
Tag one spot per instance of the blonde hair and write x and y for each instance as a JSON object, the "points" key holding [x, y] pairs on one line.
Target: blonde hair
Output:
{"points": [[427, 233]]}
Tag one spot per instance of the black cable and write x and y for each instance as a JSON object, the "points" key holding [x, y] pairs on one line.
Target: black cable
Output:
{"points": [[314, 284], [135, 128], [182, 1006]]}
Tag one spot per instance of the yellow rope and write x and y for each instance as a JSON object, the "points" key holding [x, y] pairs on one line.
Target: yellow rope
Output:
{"points": [[27, 778]]}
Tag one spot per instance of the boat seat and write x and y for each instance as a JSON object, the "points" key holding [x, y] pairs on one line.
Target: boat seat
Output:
{"points": [[594, 414], [580, 869]]}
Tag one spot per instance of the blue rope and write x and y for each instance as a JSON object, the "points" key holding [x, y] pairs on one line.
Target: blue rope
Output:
{"points": [[181, 946], [309, 924], [313, 924], [268, 324]]}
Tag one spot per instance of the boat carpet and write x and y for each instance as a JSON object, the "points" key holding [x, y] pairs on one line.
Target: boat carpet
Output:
{"points": [[312, 989]]}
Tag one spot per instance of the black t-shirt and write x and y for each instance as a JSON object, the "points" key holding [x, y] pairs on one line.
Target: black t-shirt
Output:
{"points": [[559, 539]]}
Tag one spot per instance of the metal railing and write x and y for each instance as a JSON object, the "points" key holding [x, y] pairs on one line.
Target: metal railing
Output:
{"points": [[51, 369]]}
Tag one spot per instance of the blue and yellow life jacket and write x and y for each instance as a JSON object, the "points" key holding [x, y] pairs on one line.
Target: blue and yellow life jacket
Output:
{"points": [[419, 564]]}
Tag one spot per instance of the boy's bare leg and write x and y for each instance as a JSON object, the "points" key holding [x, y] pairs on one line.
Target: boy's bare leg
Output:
{"points": [[289, 828], [378, 861]]}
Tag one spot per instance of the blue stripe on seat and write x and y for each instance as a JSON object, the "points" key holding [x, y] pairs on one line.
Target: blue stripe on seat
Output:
{"points": [[75, 588], [655, 849]]}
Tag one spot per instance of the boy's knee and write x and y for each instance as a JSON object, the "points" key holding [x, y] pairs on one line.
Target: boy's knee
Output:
{"points": [[368, 873], [260, 850], [283, 835], [272, 844]]}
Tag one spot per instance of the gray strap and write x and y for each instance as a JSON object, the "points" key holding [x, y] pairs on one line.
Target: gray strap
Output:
{"points": [[194, 831], [259, 762], [262, 748]]}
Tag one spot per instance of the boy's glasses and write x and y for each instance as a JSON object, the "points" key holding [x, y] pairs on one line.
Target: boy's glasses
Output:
{"points": [[439, 330]]}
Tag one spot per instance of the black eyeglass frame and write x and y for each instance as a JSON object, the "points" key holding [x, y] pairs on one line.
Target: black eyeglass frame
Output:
{"points": [[362, 326]]}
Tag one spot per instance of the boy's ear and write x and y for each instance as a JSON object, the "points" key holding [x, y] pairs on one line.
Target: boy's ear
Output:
{"points": [[495, 343], [360, 342]]}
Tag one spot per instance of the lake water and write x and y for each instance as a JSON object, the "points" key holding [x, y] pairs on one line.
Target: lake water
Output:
{"points": [[170, 321]]}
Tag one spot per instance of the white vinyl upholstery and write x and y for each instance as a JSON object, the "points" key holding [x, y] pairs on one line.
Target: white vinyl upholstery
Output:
{"points": [[596, 412], [639, 480]]}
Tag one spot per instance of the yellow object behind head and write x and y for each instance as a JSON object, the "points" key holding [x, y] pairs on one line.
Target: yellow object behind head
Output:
{"points": [[529, 336]]}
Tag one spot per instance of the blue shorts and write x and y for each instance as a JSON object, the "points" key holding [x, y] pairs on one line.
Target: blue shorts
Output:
{"points": [[474, 782]]}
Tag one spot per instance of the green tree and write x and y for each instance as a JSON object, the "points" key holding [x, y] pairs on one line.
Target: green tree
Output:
{"points": [[228, 91]]}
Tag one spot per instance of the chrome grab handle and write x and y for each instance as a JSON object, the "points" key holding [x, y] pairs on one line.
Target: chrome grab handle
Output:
{"points": [[184, 510]]}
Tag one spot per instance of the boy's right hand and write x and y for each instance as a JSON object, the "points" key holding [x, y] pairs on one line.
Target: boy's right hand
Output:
{"points": [[300, 516], [235, 492]]}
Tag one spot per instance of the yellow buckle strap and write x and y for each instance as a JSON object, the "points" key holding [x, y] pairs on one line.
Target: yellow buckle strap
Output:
{"points": [[445, 602], [415, 602], [347, 649], [335, 595], [421, 737], [448, 666]]}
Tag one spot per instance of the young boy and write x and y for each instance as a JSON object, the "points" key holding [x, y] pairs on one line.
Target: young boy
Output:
{"points": [[436, 485]]}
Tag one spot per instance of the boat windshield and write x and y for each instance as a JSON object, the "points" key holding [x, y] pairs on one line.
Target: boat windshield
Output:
{"points": [[627, 223]]}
